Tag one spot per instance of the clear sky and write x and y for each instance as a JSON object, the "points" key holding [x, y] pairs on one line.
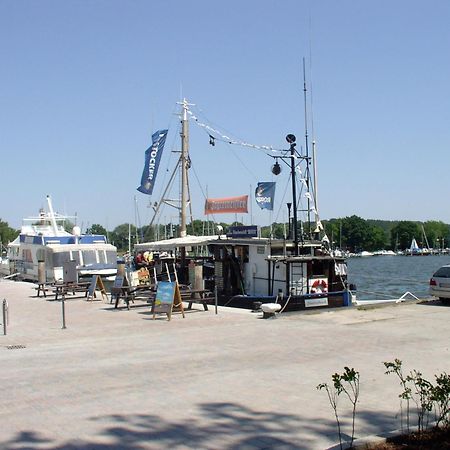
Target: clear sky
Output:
{"points": [[84, 84]]}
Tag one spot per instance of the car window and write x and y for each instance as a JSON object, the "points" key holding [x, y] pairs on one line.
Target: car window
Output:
{"points": [[443, 272]]}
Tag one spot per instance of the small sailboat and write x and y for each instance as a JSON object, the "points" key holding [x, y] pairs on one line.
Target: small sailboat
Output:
{"points": [[415, 250]]}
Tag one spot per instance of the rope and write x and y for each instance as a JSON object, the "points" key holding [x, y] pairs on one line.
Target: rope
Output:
{"points": [[226, 139], [287, 301], [203, 193], [282, 204]]}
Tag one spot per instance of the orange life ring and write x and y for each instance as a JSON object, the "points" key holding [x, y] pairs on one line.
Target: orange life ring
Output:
{"points": [[319, 286]]}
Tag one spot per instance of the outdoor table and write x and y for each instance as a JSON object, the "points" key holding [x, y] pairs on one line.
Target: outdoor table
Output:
{"points": [[42, 287], [129, 293], [64, 288], [196, 296]]}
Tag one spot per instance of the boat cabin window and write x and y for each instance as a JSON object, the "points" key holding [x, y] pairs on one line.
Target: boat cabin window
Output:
{"points": [[40, 254], [89, 257], [102, 256], [75, 256], [111, 257], [59, 258], [26, 255], [318, 268]]}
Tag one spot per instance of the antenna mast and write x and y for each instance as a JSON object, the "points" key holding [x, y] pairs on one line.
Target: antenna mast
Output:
{"points": [[308, 175]]}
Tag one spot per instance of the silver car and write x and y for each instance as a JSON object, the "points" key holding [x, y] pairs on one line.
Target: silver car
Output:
{"points": [[440, 283]]}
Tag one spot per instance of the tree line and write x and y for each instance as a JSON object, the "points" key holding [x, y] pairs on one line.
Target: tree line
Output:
{"points": [[348, 233], [356, 234]]}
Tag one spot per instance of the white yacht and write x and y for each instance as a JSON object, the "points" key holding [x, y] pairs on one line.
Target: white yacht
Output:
{"points": [[44, 244]]}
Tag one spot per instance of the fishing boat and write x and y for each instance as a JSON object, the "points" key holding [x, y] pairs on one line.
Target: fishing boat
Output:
{"points": [[44, 247], [298, 272]]}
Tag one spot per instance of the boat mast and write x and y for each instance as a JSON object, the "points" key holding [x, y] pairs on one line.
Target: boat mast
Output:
{"points": [[184, 166]]}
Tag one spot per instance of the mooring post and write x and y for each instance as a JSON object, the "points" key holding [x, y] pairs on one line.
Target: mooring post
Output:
{"points": [[5, 315], [63, 309]]}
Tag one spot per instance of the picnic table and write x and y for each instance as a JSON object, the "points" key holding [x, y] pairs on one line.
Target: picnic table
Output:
{"points": [[190, 296], [130, 293], [43, 287], [66, 287]]}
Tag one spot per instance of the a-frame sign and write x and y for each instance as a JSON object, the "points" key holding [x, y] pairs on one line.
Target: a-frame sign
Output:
{"points": [[96, 284], [167, 297]]}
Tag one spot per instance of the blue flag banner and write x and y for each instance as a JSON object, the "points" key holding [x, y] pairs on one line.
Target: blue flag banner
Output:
{"points": [[152, 159], [265, 194]]}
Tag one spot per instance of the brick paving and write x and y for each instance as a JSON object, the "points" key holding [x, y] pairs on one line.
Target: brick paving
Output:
{"points": [[119, 379]]}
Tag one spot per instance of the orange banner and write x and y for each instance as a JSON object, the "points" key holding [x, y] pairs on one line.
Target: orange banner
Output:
{"points": [[226, 205]]}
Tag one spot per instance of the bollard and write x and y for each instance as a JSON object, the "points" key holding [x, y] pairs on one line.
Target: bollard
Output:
{"points": [[5, 315], [215, 297], [63, 310]]}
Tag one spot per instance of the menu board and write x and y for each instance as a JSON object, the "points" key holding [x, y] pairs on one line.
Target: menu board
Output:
{"points": [[166, 294]]}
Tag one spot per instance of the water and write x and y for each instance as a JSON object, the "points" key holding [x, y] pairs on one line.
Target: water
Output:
{"points": [[387, 277]]}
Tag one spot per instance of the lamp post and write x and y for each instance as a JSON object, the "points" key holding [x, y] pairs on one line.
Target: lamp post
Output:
{"points": [[290, 138], [276, 169]]}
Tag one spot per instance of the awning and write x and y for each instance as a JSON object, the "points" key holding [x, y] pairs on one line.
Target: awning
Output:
{"points": [[171, 244]]}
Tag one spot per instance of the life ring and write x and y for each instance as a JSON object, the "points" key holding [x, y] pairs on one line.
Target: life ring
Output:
{"points": [[319, 286]]}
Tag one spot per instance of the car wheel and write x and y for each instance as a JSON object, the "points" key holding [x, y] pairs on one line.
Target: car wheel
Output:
{"points": [[445, 301]]}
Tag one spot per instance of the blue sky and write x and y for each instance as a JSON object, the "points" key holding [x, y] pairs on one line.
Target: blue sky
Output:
{"points": [[84, 84]]}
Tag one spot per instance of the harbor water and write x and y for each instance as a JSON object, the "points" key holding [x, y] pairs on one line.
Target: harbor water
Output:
{"points": [[389, 277]]}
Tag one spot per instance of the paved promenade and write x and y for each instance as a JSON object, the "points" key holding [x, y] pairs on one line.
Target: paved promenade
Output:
{"points": [[118, 379]]}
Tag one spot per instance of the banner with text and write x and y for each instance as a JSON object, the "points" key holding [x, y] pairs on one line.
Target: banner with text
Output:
{"points": [[226, 205], [152, 159], [265, 194]]}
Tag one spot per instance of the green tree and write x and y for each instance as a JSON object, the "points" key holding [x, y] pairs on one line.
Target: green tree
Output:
{"points": [[403, 233], [119, 236], [333, 231], [437, 233], [355, 233], [278, 230], [7, 234], [377, 238], [96, 229]]}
